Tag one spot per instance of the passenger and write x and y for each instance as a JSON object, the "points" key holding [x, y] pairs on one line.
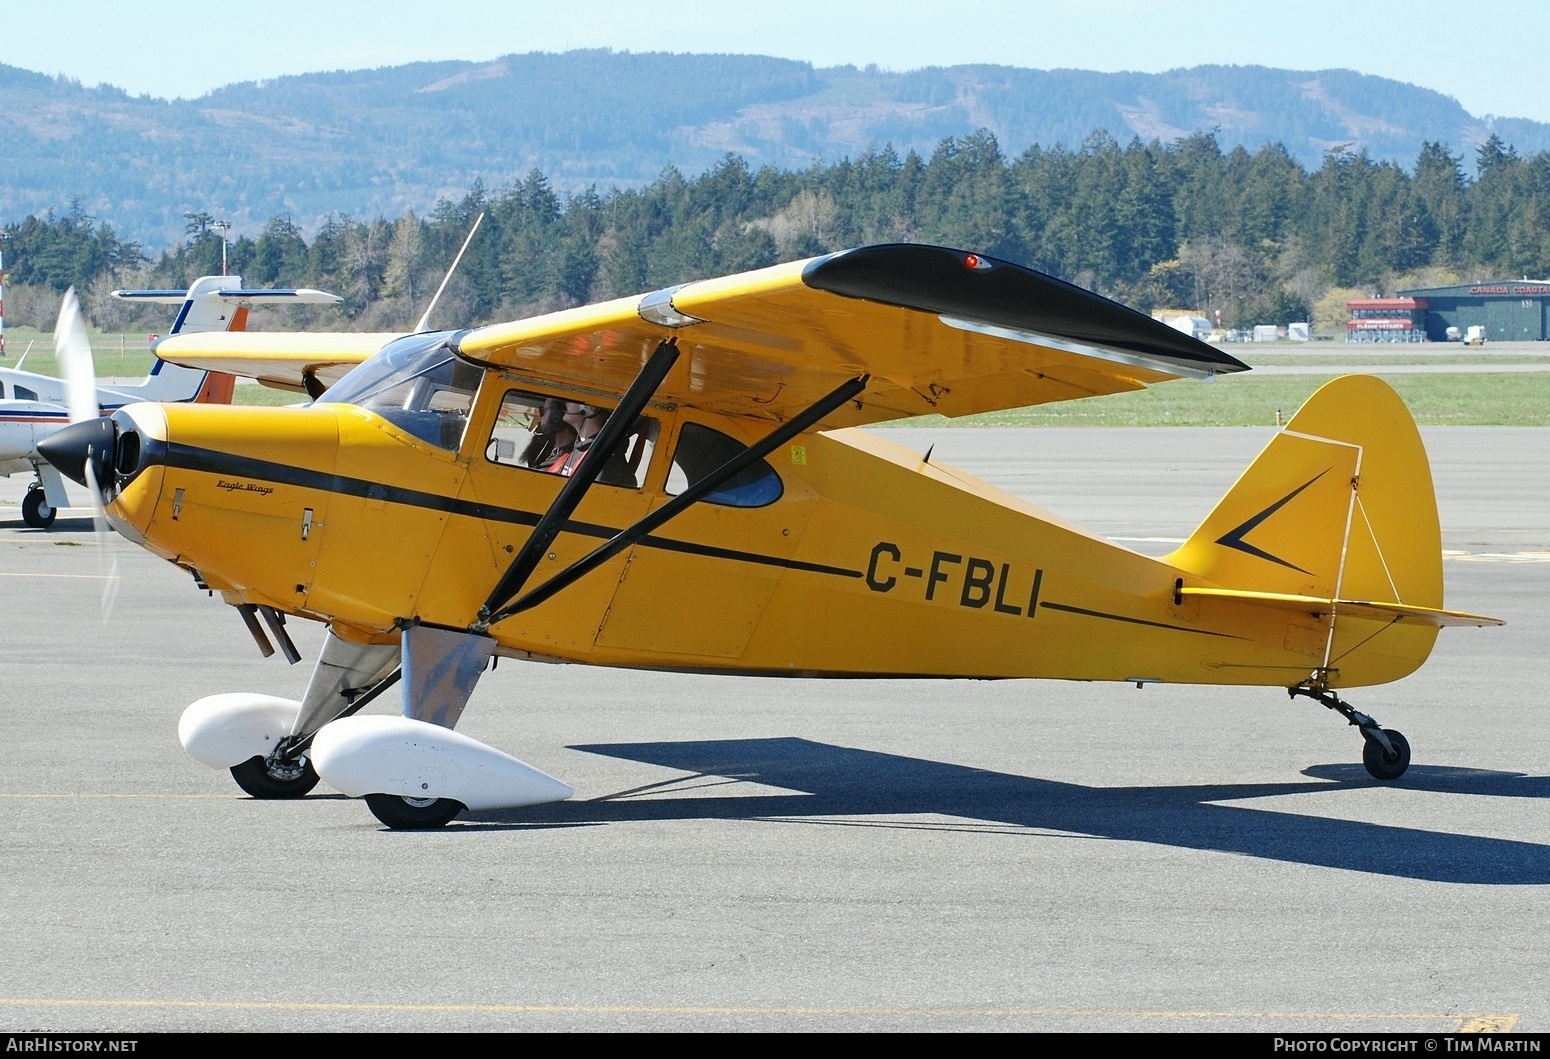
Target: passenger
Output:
{"points": [[587, 420]]}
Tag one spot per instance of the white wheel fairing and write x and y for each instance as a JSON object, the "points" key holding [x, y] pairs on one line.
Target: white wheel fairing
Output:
{"points": [[228, 729], [414, 759]]}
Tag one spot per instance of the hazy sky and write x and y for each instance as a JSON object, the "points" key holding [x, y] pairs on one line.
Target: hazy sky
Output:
{"points": [[1490, 58]]}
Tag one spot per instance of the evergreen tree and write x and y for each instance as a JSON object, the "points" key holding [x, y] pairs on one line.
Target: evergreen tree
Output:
{"points": [[1440, 186], [279, 255], [63, 252], [1399, 234], [1179, 225]]}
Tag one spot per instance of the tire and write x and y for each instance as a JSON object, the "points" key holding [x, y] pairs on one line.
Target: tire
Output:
{"points": [[256, 777], [36, 511], [1382, 766], [412, 814]]}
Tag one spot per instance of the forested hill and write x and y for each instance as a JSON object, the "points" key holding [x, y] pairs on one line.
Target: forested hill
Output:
{"points": [[380, 142]]}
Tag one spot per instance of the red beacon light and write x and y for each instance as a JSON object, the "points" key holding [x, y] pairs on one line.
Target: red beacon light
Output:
{"points": [[974, 261]]}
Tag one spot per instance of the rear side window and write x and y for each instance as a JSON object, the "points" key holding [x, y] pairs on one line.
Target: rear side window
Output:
{"points": [[701, 450]]}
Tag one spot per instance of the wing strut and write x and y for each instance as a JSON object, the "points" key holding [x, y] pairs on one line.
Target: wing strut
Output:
{"points": [[591, 465], [626, 537]]}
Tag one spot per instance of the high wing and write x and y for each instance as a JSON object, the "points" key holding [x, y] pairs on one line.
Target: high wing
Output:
{"points": [[937, 330], [285, 360]]}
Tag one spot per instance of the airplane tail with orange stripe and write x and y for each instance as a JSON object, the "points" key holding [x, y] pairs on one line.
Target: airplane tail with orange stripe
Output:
{"points": [[211, 303]]}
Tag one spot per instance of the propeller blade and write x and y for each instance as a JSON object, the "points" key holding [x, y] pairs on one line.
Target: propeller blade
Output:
{"points": [[107, 558], [73, 352]]}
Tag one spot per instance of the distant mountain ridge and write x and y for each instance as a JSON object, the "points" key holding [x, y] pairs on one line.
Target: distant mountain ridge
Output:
{"points": [[383, 141]]}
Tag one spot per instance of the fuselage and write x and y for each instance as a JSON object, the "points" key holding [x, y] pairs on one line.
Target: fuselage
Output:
{"points": [[22, 424], [865, 561]]}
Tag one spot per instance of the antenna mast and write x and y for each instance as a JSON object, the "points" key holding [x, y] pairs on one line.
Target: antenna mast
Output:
{"points": [[425, 320]]}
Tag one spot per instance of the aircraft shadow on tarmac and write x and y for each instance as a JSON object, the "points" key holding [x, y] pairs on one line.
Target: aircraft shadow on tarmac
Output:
{"points": [[842, 782], [62, 524]]}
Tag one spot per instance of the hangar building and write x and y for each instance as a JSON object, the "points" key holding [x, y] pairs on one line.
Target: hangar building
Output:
{"points": [[1509, 310]]}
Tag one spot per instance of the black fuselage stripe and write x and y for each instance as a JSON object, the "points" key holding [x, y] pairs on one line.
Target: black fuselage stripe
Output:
{"points": [[1136, 621], [211, 461]]}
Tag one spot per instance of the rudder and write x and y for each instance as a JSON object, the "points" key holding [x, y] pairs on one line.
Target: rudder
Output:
{"points": [[1338, 506]]}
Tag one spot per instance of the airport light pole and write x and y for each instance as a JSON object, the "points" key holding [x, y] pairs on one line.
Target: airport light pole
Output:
{"points": [[3, 237], [225, 227]]}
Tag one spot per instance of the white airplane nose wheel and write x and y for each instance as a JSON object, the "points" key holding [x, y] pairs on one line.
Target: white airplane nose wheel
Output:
{"points": [[412, 814], [268, 778]]}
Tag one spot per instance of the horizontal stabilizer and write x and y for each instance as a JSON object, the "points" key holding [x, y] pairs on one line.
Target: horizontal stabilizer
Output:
{"points": [[1319, 606], [298, 296]]}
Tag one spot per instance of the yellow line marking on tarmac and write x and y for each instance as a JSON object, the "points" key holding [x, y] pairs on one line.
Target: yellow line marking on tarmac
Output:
{"points": [[1457, 1023], [219, 797]]}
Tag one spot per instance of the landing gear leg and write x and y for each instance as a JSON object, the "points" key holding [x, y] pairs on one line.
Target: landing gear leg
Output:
{"points": [[440, 670], [287, 771], [1385, 753]]}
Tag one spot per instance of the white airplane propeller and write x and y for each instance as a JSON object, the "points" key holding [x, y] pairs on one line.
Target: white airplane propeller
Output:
{"points": [[72, 350]]}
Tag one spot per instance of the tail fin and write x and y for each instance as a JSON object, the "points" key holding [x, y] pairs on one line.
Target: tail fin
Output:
{"points": [[1336, 521], [219, 388], [211, 303]]}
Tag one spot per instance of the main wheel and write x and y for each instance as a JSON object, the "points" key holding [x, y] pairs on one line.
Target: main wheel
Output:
{"points": [[265, 781], [1384, 766], [412, 814], [37, 512]]}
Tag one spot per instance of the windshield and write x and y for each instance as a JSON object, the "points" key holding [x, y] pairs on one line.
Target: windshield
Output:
{"points": [[416, 384]]}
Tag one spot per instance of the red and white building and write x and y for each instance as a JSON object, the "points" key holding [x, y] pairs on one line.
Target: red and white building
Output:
{"points": [[1386, 320]]}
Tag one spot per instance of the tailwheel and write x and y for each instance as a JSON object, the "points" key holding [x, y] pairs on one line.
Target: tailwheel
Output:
{"points": [[37, 512], [1385, 752], [1386, 764], [412, 814], [272, 777]]}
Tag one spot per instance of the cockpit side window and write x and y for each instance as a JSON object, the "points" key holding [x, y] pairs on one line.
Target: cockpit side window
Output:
{"points": [[418, 385], [543, 433], [701, 450]]}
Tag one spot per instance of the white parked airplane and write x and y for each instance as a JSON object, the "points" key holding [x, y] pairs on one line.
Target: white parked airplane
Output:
{"points": [[32, 406]]}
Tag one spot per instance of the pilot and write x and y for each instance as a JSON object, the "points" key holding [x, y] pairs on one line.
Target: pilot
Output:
{"points": [[553, 438]]}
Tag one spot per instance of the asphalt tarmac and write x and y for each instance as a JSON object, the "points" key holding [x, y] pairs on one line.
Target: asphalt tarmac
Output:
{"points": [[832, 855]]}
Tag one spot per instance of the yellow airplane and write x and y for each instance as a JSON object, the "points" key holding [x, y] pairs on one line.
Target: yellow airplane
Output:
{"points": [[672, 481]]}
